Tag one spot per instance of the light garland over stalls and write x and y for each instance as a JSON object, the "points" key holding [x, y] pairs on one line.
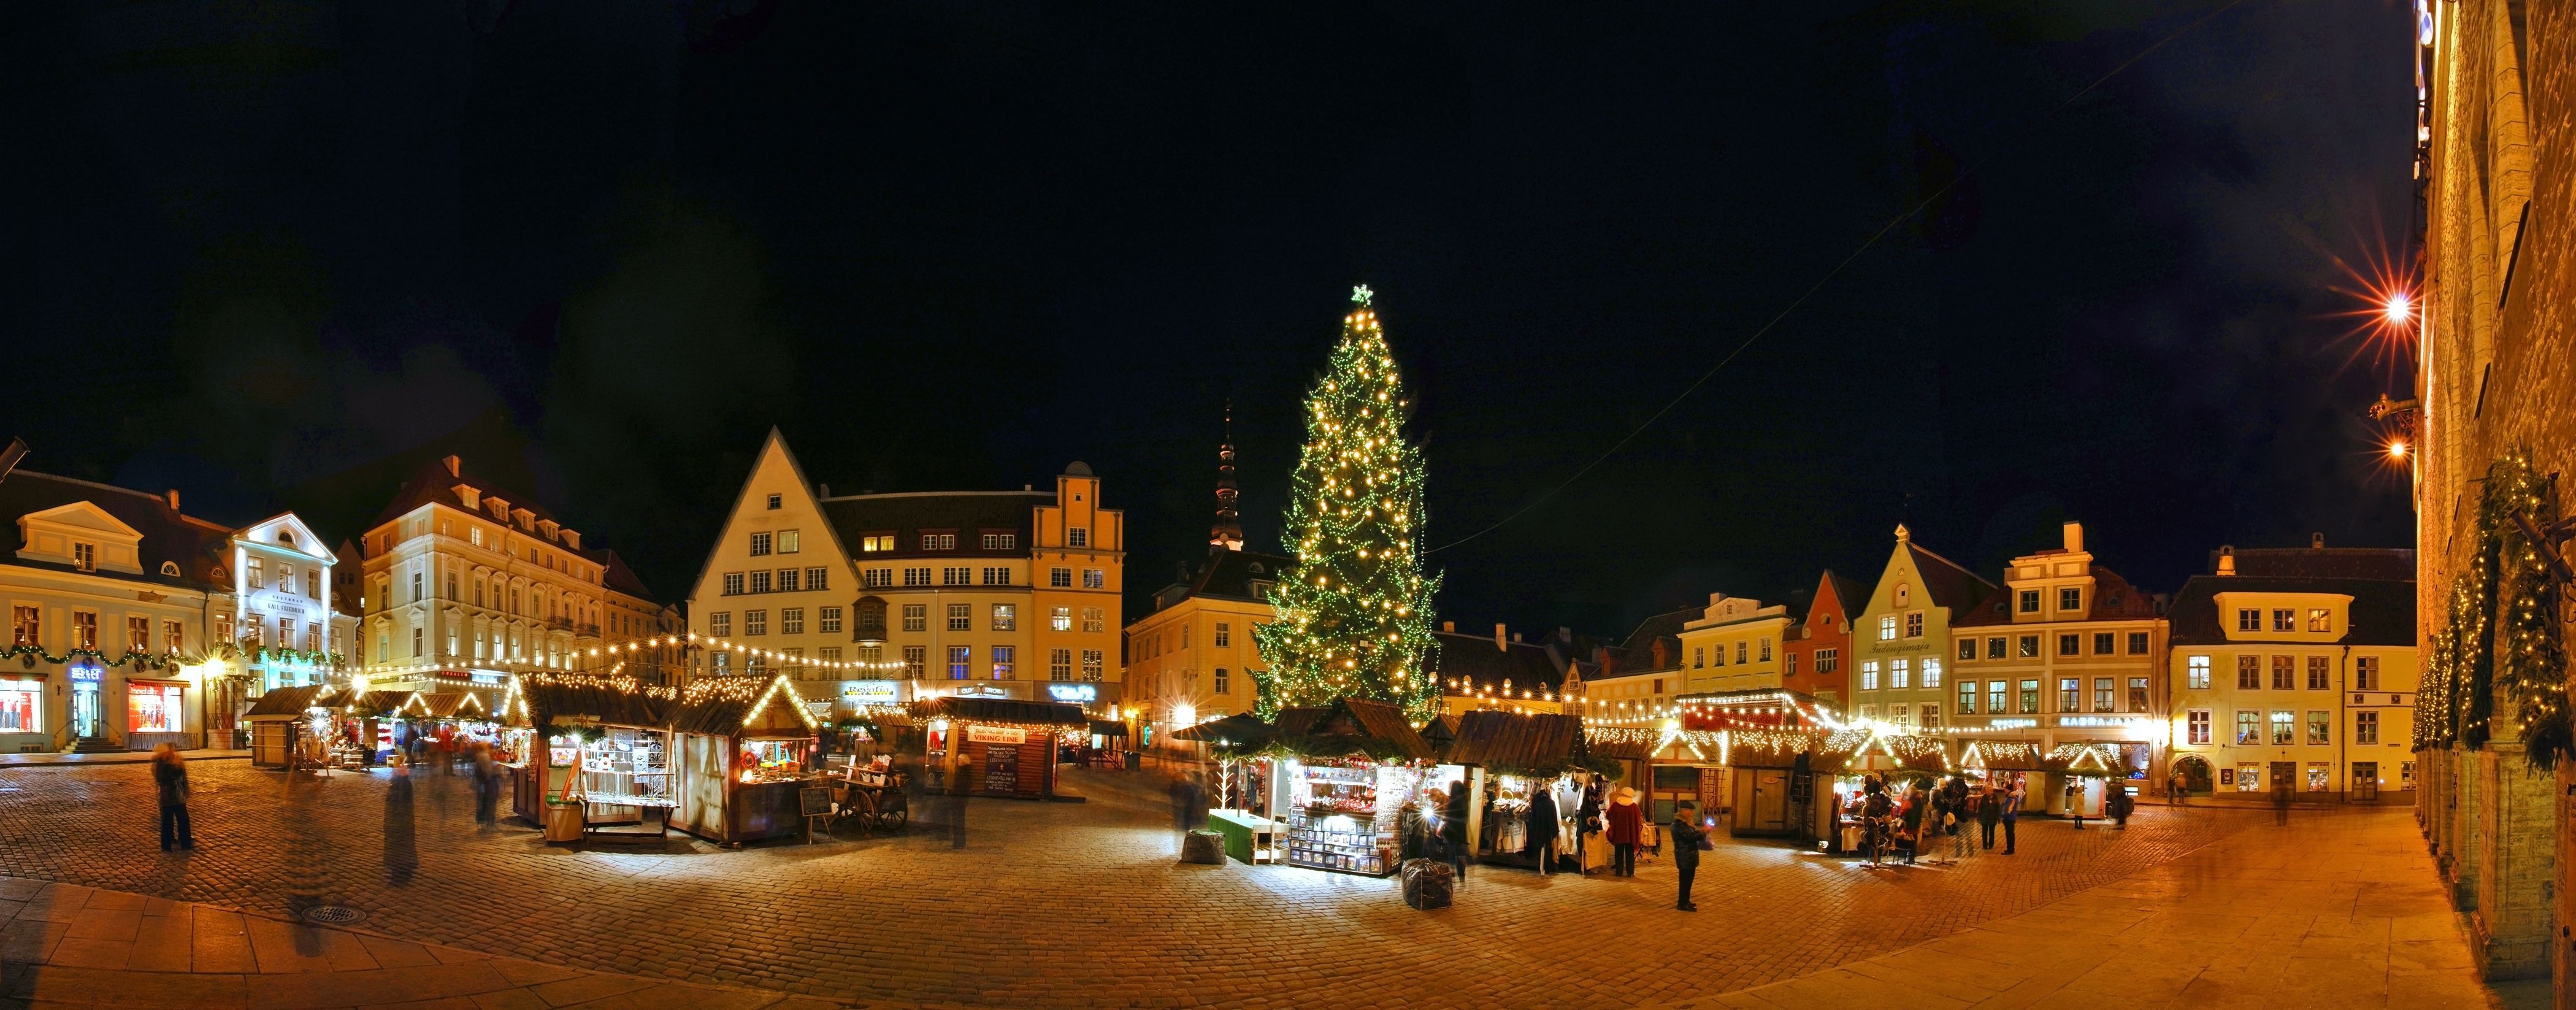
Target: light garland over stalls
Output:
{"points": [[1354, 616]]}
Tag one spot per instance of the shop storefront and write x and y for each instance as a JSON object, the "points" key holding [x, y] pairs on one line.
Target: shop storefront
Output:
{"points": [[1532, 776], [284, 721], [1356, 765], [22, 715], [554, 721]]}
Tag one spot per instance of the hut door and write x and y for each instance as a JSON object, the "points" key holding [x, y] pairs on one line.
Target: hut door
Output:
{"points": [[1762, 800]]}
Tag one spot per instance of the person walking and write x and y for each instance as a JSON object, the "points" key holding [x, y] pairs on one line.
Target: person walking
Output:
{"points": [[170, 773], [402, 850], [2174, 790], [487, 784], [1688, 836], [1453, 830], [2120, 802], [2280, 804], [1912, 817], [1990, 812], [2075, 801], [1627, 822], [2012, 814]]}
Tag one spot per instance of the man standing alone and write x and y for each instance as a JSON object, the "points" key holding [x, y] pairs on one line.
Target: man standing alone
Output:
{"points": [[1990, 812], [2011, 815], [1687, 835]]}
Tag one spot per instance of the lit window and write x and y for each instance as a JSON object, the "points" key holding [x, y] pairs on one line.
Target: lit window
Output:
{"points": [[1092, 664], [1967, 697], [2070, 694], [1060, 618], [2284, 728], [1900, 674], [2320, 727], [787, 541], [1887, 627], [1869, 675], [1092, 619], [1005, 660], [1094, 578], [2102, 694], [1931, 671], [2029, 697], [1997, 696], [961, 659], [2198, 675], [1006, 617], [2196, 724]]}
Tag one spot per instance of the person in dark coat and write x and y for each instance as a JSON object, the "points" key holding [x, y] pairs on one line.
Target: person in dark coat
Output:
{"points": [[2012, 814], [1453, 829], [402, 849], [170, 773], [1687, 836], [1990, 812], [1542, 826]]}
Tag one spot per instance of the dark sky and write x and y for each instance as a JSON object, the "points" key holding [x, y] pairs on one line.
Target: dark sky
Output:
{"points": [[267, 253]]}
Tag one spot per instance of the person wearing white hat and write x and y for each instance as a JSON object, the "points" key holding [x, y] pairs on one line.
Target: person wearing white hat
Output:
{"points": [[1627, 824]]}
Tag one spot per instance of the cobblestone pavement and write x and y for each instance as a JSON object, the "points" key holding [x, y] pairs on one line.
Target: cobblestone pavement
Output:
{"points": [[1046, 905]]}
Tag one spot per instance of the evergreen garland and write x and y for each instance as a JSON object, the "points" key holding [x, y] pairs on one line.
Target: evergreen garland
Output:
{"points": [[2501, 632], [1354, 615], [34, 654]]}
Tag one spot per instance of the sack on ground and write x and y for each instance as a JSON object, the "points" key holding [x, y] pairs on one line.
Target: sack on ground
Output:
{"points": [[1426, 884]]}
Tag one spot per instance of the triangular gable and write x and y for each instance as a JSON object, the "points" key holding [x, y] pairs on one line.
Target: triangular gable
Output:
{"points": [[304, 540], [773, 457], [83, 515], [781, 695]]}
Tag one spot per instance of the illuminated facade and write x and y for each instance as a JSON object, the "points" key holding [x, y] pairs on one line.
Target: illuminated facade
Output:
{"points": [[2067, 652], [1734, 645], [1006, 594], [2296, 669], [465, 582], [126, 629], [1191, 658], [1901, 642], [1815, 659]]}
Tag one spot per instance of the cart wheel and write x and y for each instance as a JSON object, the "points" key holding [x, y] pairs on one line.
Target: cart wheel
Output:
{"points": [[894, 818]]}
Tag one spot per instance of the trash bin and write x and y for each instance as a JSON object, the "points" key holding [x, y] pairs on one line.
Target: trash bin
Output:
{"points": [[1133, 761]]}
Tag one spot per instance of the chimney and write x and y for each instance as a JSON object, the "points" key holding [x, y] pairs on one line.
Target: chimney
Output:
{"points": [[2227, 560], [173, 494], [454, 466], [1448, 627], [1663, 654], [827, 491], [2074, 533], [1516, 638], [2316, 541], [1499, 635], [1564, 634]]}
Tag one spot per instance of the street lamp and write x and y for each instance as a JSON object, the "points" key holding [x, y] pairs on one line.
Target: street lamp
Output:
{"points": [[2400, 309]]}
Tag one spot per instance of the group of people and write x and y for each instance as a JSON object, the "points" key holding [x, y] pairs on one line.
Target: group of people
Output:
{"points": [[1913, 820]]}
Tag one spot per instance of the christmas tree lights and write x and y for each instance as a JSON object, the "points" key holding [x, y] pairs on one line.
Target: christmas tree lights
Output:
{"points": [[2503, 636], [1354, 616]]}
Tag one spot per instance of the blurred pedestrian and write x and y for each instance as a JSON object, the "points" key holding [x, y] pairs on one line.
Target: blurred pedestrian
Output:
{"points": [[2012, 813], [170, 773], [2280, 803], [2119, 804], [1990, 812], [487, 783], [1453, 830], [2075, 800], [1688, 838], [402, 853]]}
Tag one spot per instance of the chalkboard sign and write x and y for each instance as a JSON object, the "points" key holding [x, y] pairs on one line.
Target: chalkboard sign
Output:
{"points": [[1001, 769], [814, 801]]}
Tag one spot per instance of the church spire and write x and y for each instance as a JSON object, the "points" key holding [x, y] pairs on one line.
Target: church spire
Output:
{"points": [[1228, 531]]}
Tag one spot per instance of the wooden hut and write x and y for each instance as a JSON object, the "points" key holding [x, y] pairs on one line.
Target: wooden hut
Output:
{"points": [[281, 719], [1517, 763], [745, 748], [997, 746], [1348, 769], [560, 717]]}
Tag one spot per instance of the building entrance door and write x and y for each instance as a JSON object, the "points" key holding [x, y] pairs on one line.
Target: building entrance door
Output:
{"points": [[85, 709], [2285, 776], [2365, 781]]}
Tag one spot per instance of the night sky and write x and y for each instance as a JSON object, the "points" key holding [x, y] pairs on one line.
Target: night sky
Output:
{"points": [[274, 254]]}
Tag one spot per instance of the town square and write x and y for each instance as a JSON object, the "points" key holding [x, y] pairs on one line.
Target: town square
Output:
{"points": [[775, 504]]}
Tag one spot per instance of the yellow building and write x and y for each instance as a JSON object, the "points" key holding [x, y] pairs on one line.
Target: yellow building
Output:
{"points": [[1007, 594], [1901, 640], [2067, 652], [466, 582], [1191, 659], [1734, 644], [2297, 668]]}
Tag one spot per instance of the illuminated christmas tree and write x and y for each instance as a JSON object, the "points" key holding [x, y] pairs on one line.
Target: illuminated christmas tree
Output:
{"points": [[1354, 617]]}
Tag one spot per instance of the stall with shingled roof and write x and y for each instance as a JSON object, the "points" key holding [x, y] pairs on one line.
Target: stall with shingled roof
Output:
{"points": [[996, 746], [745, 752], [1345, 773], [587, 751]]}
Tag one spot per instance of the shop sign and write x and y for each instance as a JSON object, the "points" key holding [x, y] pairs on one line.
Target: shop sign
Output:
{"points": [[85, 674], [868, 692], [976, 733], [981, 691], [1075, 693]]}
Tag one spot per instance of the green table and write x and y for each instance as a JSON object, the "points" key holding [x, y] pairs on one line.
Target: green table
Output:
{"points": [[1245, 833]]}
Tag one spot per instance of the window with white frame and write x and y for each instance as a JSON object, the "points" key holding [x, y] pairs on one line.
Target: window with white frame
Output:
{"points": [[1998, 694], [1828, 660], [1059, 664], [815, 579], [1060, 578], [1005, 661], [2249, 619], [961, 617], [1900, 673], [959, 575], [915, 659], [789, 579], [2137, 643], [1060, 619], [1869, 675], [1967, 697], [997, 576], [759, 544], [939, 541], [1914, 624], [916, 576], [828, 621], [755, 622], [1006, 617], [961, 662], [787, 541], [1092, 664], [1076, 536], [1930, 713], [916, 617], [2196, 726], [760, 581], [1887, 627], [1932, 671], [2070, 599], [1092, 619], [2285, 729], [791, 621], [877, 578], [1094, 578]]}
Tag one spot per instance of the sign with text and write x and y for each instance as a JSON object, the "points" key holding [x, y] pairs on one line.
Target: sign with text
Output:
{"points": [[1075, 693], [1001, 766], [85, 674], [1012, 735], [868, 692]]}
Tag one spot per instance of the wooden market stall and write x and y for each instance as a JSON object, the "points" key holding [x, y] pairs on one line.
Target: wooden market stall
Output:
{"points": [[997, 746], [1345, 771], [1529, 773], [2081, 777], [600, 741], [745, 749], [281, 720]]}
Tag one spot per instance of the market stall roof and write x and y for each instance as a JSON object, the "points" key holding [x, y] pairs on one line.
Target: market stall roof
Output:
{"points": [[1002, 711], [377, 704], [2001, 756], [1352, 726], [1768, 748], [1105, 727], [1440, 732], [542, 699], [453, 705], [291, 702], [1239, 728], [722, 706], [1513, 742], [2098, 760]]}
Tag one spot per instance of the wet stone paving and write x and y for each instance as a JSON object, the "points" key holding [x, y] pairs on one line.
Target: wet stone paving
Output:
{"points": [[1045, 905]]}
